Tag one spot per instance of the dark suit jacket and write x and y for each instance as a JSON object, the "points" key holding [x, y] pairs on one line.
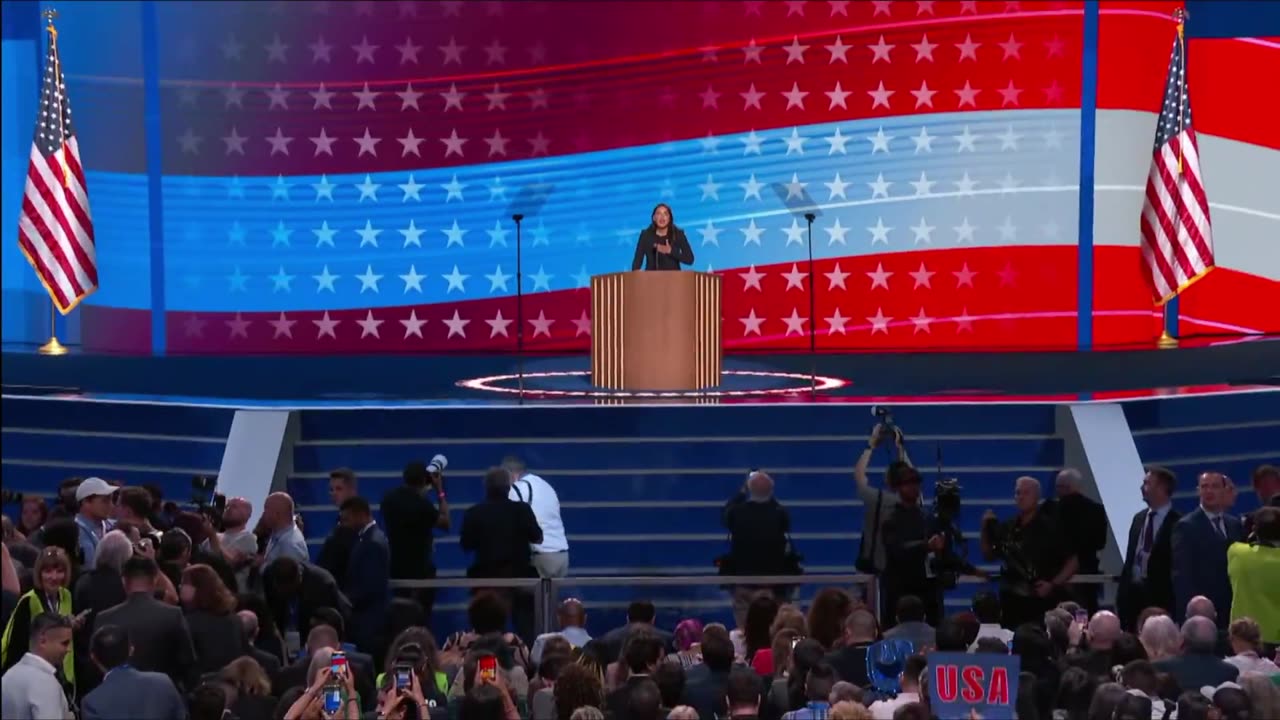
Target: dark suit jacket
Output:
{"points": [[367, 587], [610, 644], [336, 551], [704, 691], [681, 252], [1195, 671], [218, 639], [1200, 563], [1158, 589], [617, 703], [269, 662], [130, 693], [318, 590], [499, 533], [159, 634], [850, 663]]}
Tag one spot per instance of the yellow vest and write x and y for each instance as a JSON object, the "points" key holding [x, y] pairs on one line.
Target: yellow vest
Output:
{"points": [[37, 607]]}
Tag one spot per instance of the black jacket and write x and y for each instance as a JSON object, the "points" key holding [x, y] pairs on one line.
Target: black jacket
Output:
{"points": [[499, 533], [318, 590], [1157, 591], [159, 634], [218, 639], [651, 259], [336, 550], [1084, 523], [757, 536], [409, 518]]}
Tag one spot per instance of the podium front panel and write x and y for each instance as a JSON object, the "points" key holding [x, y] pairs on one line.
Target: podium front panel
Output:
{"points": [[655, 331]]}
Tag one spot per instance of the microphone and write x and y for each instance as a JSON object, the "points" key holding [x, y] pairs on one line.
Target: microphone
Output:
{"points": [[810, 216], [517, 217]]}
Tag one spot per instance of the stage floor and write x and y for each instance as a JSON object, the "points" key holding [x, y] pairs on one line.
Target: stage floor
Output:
{"points": [[496, 380]]}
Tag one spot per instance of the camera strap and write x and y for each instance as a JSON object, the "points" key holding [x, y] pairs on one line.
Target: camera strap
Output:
{"points": [[523, 499]]}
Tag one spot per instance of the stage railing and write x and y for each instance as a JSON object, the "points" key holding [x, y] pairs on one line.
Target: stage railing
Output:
{"points": [[546, 591]]}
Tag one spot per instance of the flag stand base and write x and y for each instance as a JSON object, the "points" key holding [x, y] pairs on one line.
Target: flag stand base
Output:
{"points": [[1166, 341], [53, 347]]}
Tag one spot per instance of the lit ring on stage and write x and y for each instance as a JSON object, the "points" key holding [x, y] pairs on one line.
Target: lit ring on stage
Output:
{"points": [[494, 383]]}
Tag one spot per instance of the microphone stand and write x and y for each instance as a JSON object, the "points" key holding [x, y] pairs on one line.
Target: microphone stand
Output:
{"points": [[519, 312], [813, 320]]}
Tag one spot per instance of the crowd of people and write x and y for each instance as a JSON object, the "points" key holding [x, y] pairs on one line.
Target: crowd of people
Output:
{"points": [[118, 605]]}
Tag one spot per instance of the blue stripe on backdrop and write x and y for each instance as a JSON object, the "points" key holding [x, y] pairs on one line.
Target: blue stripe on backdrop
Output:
{"points": [[1232, 18], [1088, 138], [260, 243], [155, 171]]}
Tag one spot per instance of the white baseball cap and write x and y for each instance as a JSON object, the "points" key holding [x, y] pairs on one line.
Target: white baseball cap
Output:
{"points": [[92, 487]]}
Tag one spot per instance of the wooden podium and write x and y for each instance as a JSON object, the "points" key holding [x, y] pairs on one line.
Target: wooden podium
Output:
{"points": [[655, 330]]}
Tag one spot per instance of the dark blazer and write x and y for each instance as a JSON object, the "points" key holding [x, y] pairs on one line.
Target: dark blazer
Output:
{"points": [[705, 689], [269, 662], [159, 634], [97, 590], [318, 590], [1132, 598], [218, 639], [367, 586], [1200, 563], [336, 551], [1196, 670], [499, 532], [681, 252], [850, 663], [610, 644], [130, 693], [617, 703]]}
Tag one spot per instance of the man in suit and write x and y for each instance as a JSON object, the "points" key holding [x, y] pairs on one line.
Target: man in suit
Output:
{"points": [[336, 551], [1266, 484], [269, 662], [640, 618], [1147, 577], [642, 656], [1200, 542], [1198, 666], [368, 581], [127, 692], [294, 591], [157, 632], [706, 685]]}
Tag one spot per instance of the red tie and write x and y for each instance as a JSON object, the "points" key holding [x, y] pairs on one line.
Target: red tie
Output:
{"points": [[1149, 534]]}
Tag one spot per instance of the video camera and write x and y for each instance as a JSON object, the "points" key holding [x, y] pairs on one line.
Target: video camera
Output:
{"points": [[208, 501], [949, 563]]}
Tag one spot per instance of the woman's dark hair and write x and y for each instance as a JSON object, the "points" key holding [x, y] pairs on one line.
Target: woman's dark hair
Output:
{"points": [[211, 595], [804, 656], [1192, 705], [482, 702], [826, 615], [487, 613], [1105, 700], [755, 627], [415, 641], [1075, 692], [577, 687], [1233, 703], [670, 679], [207, 702], [64, 533], [670, 212]]}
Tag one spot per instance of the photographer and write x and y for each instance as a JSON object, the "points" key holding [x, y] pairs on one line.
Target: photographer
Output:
{"points": [[879, 502], [758, 528], [1253, 568], [1036, 561], [907, 545], [410, 519]]}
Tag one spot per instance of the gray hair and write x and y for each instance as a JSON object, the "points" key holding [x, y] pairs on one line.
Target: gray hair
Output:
{"points": [[1072, 476], [1160, 637], [1032, 482], [1199, 635], [1201, 606], [113, 550], [320, 659]]}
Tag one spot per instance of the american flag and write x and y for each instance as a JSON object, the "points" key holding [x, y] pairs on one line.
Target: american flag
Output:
{"points": [[1177, 239], [55, 231]]}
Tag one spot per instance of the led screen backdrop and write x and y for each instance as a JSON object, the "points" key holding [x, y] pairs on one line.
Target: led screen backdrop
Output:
{"points": [[339, 177]]}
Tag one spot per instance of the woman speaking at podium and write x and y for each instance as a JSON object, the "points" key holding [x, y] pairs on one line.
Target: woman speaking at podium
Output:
{"points": [[662, 245]]}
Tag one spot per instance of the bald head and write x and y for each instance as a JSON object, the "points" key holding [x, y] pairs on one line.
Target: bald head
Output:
{"points": [[277, 510], [760, 485], [1104, 630], [572, 614], [249, 623], [1067, 482], [860, 627], [237, 513], [1201, 606]]}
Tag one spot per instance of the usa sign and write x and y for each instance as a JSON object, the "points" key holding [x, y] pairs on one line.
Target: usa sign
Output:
{"points": [[960, 682]]}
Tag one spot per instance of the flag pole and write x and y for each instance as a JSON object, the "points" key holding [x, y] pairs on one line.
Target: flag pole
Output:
{"points": [[1167, 341], [53, 346]]}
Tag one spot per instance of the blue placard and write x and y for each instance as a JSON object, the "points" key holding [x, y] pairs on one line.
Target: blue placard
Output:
{"points": [[960, 682]]}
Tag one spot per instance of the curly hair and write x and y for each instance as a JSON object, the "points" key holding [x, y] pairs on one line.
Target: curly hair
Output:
{"points": [[578, 686], [211, 595]]}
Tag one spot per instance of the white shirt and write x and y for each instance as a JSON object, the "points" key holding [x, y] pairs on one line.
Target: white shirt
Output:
{"points": [[991, 630], [1158, 516], [544, 502], [1250, 662], [883, 709], [31, 691], [289, 542]]}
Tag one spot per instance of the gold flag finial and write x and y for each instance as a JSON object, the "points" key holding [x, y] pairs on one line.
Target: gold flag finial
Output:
{"points": [[1180, 16]]}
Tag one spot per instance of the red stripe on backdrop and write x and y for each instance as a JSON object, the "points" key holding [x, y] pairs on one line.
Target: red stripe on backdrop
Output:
{"points": [[696, 80], [1224, 75]]}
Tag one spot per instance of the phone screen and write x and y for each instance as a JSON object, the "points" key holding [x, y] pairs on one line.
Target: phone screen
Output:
{"points": [[1082, 617], [403, 676], [487, 667], [338, 664]]}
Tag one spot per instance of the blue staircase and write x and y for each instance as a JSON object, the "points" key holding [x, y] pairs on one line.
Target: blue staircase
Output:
{"points": [[1232, 434], [641, 487], [46, 440]]}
